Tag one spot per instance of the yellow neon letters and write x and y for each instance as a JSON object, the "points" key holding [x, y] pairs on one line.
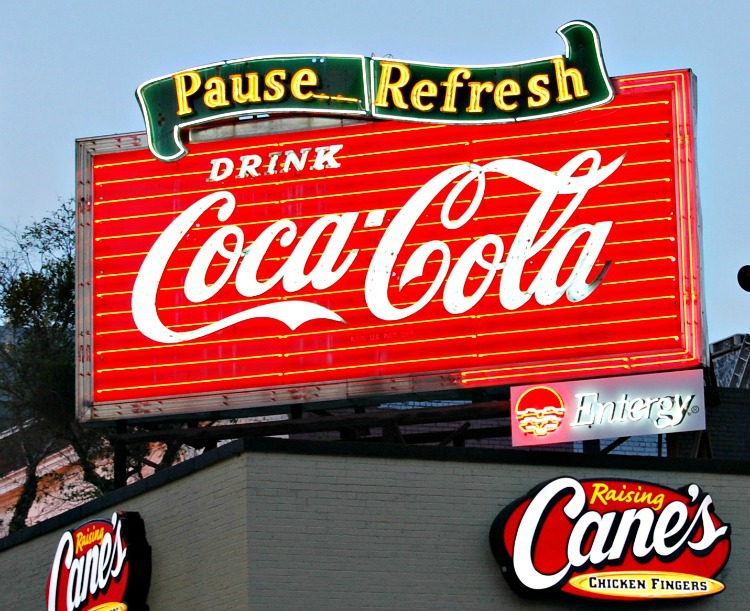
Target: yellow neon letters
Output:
{"points": [[218, 92], [395, 89]]}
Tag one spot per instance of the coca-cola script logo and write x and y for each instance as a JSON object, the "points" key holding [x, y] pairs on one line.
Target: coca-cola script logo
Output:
{"points": [[101, 566], [244, 259], [611, 540]]}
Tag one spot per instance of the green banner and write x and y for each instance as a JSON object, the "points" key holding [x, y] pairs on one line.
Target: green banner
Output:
{"points": [[378, 88], [286, 83]]}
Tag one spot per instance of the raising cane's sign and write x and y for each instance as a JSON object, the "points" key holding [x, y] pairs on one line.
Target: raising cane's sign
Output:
{"points": [[380, 257], [103, 565], [612, 540]]}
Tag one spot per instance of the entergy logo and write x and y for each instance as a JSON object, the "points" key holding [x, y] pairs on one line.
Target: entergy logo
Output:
{"points": [[539, 411]]}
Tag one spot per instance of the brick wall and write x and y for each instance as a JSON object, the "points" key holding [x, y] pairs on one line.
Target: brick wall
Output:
{"points": [[192, 524], [303, 525]]}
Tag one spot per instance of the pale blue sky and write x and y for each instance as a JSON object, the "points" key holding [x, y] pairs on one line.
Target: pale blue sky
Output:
{"points": [[71, 69]]}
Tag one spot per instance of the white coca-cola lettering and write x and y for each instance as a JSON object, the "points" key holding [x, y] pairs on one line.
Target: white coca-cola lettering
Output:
{"points": [[642, 531], [486, 252], [145, 314], [87, 574], [525, 245]]}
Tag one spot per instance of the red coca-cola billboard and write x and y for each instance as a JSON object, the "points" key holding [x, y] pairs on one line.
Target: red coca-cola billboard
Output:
{"points": [[617, 540], [384, 257], [103, 565]]}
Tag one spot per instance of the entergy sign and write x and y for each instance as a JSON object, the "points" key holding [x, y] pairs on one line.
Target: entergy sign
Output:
{"points": [[647, 404]]}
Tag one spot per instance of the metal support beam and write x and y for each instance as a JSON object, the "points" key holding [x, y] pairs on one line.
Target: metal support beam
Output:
{"points": [[616, 443], [455, 435], [380, 418]]}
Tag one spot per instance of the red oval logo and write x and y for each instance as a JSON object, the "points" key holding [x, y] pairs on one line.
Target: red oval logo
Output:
{"points": [[101, 565], [611, 540]]}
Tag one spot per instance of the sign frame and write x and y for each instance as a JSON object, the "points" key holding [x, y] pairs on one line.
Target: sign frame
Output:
{"points": [[605, 408], [692, 352]]}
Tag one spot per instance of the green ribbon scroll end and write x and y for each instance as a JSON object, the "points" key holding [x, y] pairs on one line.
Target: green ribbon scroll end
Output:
{"points": [[287, 83], [521, 91]]}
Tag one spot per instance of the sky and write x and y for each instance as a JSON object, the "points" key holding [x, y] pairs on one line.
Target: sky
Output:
{"points": [[72, 67]]}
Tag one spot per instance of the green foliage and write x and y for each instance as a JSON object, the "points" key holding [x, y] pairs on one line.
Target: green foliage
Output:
{"points": [[37, 299], [54, 236], [41, 298], [37, 359], [37, 349]]}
